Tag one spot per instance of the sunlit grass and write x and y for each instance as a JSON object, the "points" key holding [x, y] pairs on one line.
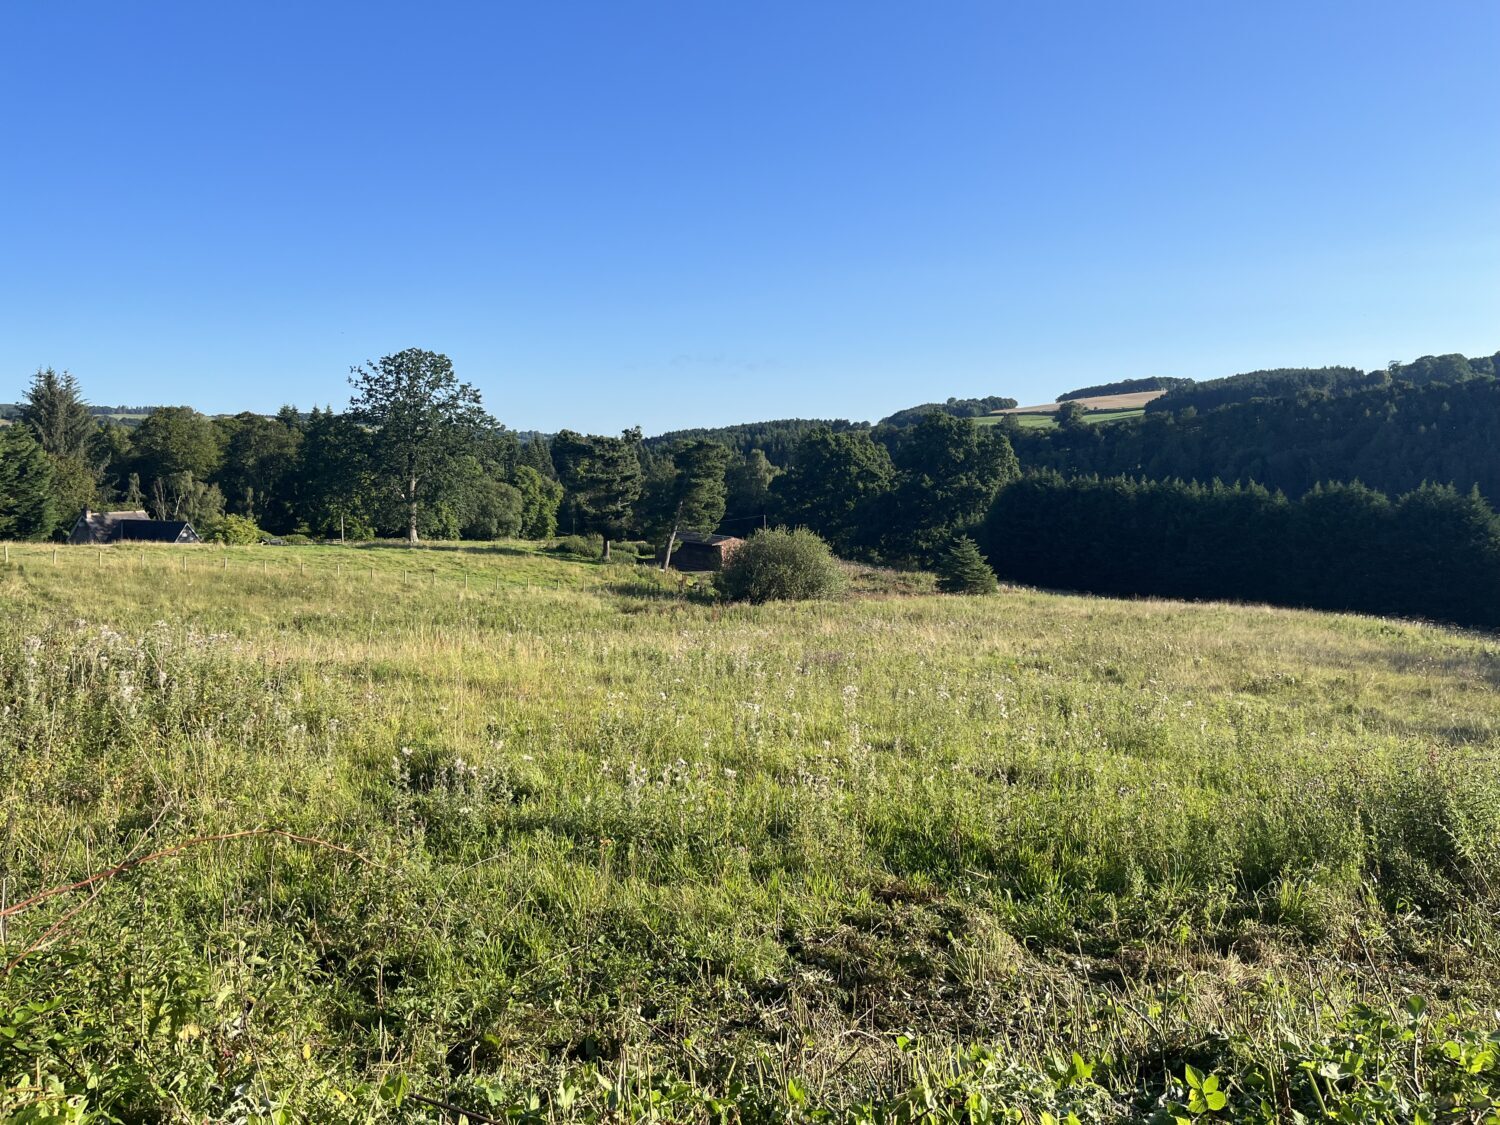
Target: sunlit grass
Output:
{"points": [[610, 822]]}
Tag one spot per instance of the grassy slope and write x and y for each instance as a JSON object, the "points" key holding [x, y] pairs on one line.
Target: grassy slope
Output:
{"points": [[1047, 422], [613, 828]]}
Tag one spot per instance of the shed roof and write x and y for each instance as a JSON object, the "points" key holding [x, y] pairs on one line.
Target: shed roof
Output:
{"points": [[155, 531]]}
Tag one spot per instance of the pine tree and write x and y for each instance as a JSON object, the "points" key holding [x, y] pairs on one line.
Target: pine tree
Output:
{"points": [[57, 414], [26, 506], [962, 569], [693, 499], [603, 479], [535, 455]]}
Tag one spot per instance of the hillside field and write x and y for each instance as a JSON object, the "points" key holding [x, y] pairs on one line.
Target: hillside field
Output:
{"points": [[549, 839], [1133, 401], [1101, 408], [1045, 421]]}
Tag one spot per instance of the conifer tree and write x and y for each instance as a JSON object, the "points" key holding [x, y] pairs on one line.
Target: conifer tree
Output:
{"points": [[535, 455], [57, 414], [26, 507], [603, 479], [962, 569]]}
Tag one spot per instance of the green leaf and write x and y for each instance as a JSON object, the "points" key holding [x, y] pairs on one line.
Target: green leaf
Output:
{"points": [[393, 1089]]}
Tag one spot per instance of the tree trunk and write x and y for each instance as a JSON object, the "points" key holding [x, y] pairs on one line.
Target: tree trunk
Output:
{"points": [[411, 513], [672, 540], [606, 548]]}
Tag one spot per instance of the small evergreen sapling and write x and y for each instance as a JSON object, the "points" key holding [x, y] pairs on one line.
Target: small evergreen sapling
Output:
{"points": [[962, 569]]}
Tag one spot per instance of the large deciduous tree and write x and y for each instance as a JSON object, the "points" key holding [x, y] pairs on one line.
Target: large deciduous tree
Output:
{"points": [[540, 498], [259, 468], [423, 423], [176, 439], [948, 472], [334, 472], [830, 487], [747, 483]]}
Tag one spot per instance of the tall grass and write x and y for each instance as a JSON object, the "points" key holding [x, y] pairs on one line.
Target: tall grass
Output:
{"points": [[616, 841]]}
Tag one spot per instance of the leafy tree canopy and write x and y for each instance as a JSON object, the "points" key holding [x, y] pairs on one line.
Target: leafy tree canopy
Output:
{"points": [[423, 420]]}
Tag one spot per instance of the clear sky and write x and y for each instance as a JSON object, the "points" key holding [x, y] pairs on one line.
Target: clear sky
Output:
{"points": [[696, 213]]}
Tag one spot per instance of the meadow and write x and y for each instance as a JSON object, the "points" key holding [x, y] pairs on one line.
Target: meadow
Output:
{"points": [[1040, 421], [535, 838]]}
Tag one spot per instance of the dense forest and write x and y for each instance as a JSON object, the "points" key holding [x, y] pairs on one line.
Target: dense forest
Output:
{"points": [[777, 439], [957, 407], [1393, 435], [1295, 382], [1328, 487], [1434, 552]]}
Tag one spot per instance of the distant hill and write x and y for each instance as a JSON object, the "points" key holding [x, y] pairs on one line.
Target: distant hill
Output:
{"points": [[1392, 435], [958, 407], [1097, 409], [1290, 382], [776, 439], [1126, 387]]}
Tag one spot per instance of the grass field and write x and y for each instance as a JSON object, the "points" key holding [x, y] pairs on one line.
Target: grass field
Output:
{"points": [[1039, 421], [571, 842]]}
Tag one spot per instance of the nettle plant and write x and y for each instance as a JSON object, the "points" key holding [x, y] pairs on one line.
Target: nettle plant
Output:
{"points": [[1378, 1066]]}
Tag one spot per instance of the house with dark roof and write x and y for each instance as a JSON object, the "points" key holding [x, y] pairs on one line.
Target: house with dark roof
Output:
{"points": [[695, 551], [130, 527]]}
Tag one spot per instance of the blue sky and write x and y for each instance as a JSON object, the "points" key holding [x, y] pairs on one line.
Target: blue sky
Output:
{"points": [[673, 214]]}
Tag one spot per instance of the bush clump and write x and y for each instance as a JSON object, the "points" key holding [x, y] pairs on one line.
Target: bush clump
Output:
{"points": [[781, 565], [586, 546], [236, 531], [962, 569]]}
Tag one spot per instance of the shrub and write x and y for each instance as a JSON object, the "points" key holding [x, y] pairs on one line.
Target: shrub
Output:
{"points": [[781, 565], [236, 531], [962, 569], [494, 511], [587, 546]]}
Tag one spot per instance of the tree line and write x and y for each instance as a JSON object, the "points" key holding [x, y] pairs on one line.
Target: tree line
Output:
{"points": [[1126, 387], [1393, 436], [416, 456], [1433, 552], [1110, 509], [1292, 382]]}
